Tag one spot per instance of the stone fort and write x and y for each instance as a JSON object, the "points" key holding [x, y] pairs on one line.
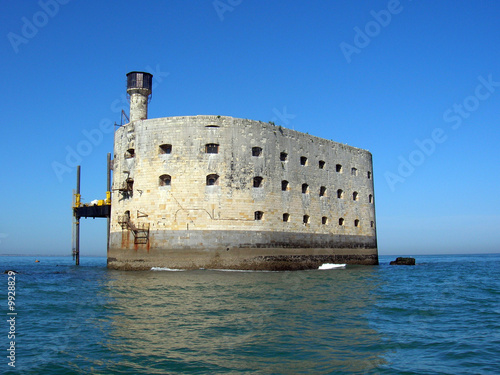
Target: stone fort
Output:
{"points": [[220, 192]]}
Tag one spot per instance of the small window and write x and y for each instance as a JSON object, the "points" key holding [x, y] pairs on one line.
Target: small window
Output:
{"points": [[306, 219], [257, 182], [324, 220], [283, 156], [321, 164], [341, 221], [340, 194], [165, 180], [355, 196], [354, 172], [369, 174], [130, 184], [165, 149], [259, 215], [370, 198], [322, 191], [303, 160], [130, 153], [305, 189], [256, 151], [338, 168], [286, 217], [285, 185], [212, 148], [212, 179], [372, 224], [356, 223]]}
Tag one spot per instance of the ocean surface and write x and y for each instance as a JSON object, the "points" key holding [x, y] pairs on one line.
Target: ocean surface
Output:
{"points": [[441, 316]]}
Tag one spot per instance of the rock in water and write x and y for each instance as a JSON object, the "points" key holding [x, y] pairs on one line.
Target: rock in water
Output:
{"points": [[403, 261]]}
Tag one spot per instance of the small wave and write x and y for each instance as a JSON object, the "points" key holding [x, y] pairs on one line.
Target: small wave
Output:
{"points": [[165, 269], [330, 266]]}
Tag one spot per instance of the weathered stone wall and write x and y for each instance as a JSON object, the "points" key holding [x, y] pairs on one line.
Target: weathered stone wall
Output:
{"points": [[186, 203]]}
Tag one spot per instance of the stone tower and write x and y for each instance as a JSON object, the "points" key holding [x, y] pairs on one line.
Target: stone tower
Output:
{"points": [[139, 89]]}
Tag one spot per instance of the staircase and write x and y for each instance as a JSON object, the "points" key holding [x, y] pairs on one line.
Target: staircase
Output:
{"points": [[140, 231]]}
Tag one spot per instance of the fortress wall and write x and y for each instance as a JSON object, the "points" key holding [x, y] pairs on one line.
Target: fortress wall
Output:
{"points": [[188, 204]]}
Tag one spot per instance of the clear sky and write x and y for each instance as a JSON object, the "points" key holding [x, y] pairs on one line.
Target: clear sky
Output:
{"points": [[415, 82]]}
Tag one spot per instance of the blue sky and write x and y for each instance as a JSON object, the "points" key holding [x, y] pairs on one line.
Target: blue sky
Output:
{"points": [[415, 82]]}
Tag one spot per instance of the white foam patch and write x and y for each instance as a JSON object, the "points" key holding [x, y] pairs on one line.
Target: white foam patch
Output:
{"points": [[331, 266], [165, 269]]}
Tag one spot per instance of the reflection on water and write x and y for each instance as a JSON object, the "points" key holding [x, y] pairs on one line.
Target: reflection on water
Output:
{"points": [[215, 321]]}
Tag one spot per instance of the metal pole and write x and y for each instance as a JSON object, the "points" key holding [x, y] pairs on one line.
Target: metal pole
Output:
{"points": [[77, 223]]}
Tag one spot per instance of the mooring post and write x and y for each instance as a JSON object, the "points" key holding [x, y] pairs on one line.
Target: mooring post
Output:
{"points": [[77, 218]]}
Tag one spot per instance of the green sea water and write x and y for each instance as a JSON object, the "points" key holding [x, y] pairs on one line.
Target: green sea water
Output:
{"points": [[441, 316]]}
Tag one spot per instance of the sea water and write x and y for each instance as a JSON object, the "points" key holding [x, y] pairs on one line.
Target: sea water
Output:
{"points": [[441, 316]]}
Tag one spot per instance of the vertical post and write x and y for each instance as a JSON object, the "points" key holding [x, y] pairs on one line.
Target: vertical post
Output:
{"points": [[77, 218], [108, 191]]}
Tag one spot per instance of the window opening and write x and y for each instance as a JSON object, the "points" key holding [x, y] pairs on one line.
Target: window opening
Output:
{"points": [[212, 179], [165, 149], [212, 148], [256, 151], [165, 180], [257, 182]]}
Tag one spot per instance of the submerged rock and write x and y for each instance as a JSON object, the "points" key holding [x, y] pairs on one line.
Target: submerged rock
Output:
{"points": [[403, 261]]}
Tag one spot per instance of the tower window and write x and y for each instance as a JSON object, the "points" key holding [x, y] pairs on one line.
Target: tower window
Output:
{"points": [[284, 185], [338, 168], [165, 149], [355, 196], [258, 215], [322, 191], [256, 151], [257, 182], [303, 160], [324, 220], [356, 223], [212, 179], [130, 184], [369, 175], [354, 172], [130, 153], [305, 189], [212, 148], [321, 164], [340, 194], [306, 219], [370, 198], [372, 224], [283, 156], [286, 217], [165, 180], [341, 221]]}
